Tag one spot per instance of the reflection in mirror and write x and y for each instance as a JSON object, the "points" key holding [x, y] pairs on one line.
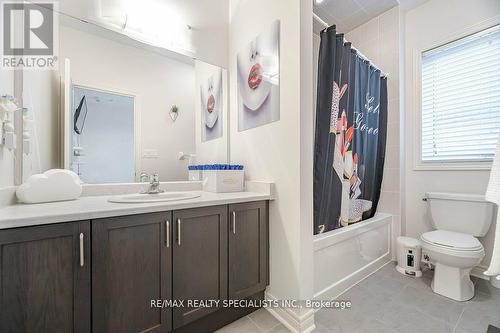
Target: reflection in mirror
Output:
{"points": [[102, 117], [8, 112], [117, 108], [192, 28]]}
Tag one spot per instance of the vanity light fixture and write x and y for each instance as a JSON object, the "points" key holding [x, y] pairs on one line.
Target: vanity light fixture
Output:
{"points": [[152, 22]]}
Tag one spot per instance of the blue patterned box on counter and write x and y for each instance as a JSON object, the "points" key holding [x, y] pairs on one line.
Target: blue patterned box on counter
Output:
{"points": [[216, 167]]}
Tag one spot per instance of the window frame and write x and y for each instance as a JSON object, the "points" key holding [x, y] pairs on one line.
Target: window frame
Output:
{"points": [[416, 54]]}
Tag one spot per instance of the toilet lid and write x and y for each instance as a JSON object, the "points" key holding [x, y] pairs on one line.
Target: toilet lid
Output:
{"points": [[452, 239]]}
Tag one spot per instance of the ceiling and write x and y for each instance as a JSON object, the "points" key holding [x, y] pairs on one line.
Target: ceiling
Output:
{"points": [[349, 14]]}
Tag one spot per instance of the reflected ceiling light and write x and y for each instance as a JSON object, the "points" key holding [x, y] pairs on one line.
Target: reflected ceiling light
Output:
{"points": [[151, 21], [318, 1]]}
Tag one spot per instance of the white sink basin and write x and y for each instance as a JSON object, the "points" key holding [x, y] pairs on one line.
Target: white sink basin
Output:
{"points": [[161, 197]]}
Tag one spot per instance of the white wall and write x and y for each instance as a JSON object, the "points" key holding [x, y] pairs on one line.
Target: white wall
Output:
{"points": [[216, 150], [211, 43], [429, 25], [41, 97], [273, 152], [156, 81], [6, 156]]}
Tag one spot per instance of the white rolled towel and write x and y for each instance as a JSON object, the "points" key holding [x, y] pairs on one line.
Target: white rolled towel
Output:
{"points": [[493, 195]]}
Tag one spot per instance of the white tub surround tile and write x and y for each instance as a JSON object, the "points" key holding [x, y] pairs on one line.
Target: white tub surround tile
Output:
{"points": [[345, 256]]}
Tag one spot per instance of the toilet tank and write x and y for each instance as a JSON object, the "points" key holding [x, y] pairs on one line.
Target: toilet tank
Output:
{"points": [[466, 213]]}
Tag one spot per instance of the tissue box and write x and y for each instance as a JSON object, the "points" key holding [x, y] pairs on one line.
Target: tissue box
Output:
{"points": [[194, 173], [220, 181], [221, 178]]}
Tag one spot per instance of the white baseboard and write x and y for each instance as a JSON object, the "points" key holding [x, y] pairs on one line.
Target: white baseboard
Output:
{"points": [[290, 319], [478, 272], [339, 287]]}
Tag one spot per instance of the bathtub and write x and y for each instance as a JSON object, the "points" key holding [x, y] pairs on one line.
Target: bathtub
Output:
{"points": [[345, 256]]}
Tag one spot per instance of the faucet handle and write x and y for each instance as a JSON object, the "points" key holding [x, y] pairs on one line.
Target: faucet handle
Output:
{"points": [[155, 178], [144, 177]]}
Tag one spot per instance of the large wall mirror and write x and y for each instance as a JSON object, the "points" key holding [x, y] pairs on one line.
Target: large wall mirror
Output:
{"points": [[136, 91]]}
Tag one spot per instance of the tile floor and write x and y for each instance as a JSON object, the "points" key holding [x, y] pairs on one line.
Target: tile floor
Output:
{"points": [[389, 302]]}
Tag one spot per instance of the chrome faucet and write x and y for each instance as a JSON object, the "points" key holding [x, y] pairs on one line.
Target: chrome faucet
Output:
{"points": [[154, 184]]}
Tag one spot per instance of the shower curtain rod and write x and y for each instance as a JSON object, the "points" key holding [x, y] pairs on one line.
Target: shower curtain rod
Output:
{"points": [[361, 55]]}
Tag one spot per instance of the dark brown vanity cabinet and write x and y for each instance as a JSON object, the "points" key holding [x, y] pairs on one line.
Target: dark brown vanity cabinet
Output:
{"points": [[131, 266], [248, 249], [199, 260], [102, 276], [45, 279]]}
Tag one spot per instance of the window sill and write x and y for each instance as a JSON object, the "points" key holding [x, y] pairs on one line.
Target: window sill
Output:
{"points": [[486, 166]]}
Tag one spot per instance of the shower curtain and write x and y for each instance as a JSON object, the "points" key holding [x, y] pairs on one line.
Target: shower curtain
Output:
{"points": [[351, 126]]}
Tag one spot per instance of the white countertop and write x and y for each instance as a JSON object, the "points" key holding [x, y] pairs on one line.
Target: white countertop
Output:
{"points": [[94, 207]]}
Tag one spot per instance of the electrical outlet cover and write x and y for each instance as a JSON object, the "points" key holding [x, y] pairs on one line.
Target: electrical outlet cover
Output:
{"points": [[150, 153]]}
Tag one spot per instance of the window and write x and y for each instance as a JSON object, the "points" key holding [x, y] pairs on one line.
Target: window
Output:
{"points": [[461, 99]]}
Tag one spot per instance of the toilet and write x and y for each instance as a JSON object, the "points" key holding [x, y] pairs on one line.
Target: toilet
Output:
{"points": [[453, 248]]}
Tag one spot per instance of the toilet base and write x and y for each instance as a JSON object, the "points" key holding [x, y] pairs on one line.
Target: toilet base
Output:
{"points": [[452, 282]]}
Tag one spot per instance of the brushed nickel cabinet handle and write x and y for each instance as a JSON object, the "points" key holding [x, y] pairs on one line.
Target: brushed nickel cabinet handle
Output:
{"points": [[82, 259], [179, 232], [167, 232], [234, 222]]}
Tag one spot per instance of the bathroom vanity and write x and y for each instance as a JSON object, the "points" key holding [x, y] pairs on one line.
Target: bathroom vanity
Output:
{"points": [[114, 270], [126, 105]]}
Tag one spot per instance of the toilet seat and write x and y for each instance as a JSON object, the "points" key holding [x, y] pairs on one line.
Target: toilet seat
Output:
{"points": [[452, 240]]}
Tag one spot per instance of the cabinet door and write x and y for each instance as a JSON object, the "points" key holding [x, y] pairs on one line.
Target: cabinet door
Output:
{"points": [[199, 260], [131, 267], [248, 249], [45, 279]]}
